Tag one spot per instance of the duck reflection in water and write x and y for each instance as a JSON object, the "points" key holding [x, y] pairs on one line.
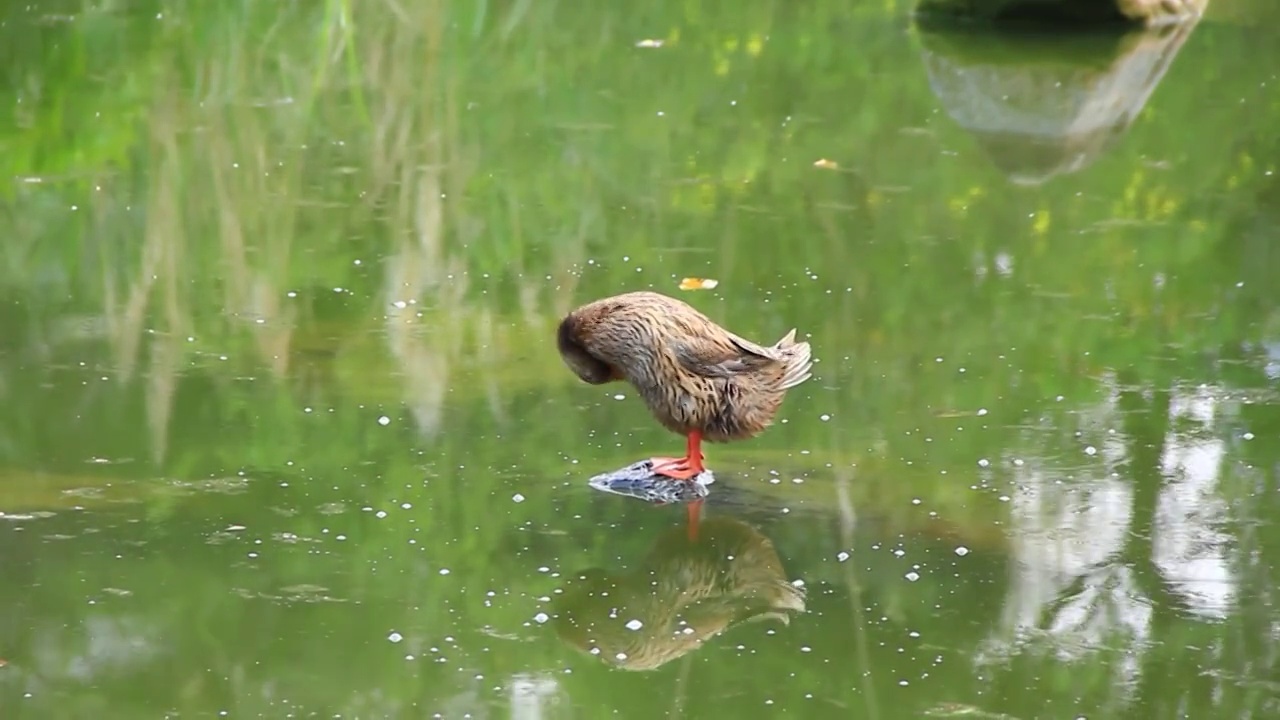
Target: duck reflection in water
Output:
{"points": [[684, 592]]}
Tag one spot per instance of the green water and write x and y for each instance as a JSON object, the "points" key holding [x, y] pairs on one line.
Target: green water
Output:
{"points": [[285, 434]]}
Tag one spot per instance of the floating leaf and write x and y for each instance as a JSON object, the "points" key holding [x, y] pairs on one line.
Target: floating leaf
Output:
{"points": [[691, 283], [825, 164]]}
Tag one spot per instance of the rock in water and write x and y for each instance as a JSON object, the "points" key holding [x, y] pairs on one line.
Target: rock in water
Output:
{"points": [[639, 481]]}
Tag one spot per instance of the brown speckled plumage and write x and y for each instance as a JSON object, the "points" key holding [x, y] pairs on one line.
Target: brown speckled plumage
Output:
{"points": [[694, 376]]}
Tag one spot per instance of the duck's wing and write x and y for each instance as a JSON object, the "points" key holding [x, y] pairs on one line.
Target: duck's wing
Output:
{"points": [[722, 357]]}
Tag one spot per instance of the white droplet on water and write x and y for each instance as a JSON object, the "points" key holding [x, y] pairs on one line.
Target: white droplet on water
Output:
{"points": [[384, 420]]}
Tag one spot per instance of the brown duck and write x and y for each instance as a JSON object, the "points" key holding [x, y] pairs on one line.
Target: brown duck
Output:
{"points": [[698, 379]]}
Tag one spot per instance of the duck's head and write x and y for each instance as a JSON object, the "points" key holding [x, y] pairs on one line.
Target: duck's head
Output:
{"points": [[571, 338]]}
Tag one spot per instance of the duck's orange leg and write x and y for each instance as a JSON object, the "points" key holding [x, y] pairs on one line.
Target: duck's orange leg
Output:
{"points": [[685, 468]]}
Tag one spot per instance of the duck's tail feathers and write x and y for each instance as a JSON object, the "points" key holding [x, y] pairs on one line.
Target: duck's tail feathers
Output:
{"points": [[798, 358]]}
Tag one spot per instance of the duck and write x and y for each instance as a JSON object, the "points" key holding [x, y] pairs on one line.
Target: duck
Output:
{"points": [[698, 379]]}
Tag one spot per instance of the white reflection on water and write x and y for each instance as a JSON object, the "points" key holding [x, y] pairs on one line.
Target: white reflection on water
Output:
{"points": [[1189, 547], [535, 697], [1072, 592]]}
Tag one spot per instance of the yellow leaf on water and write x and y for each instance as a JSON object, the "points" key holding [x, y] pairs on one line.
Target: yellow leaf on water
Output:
{"points": [[826, 164], [691, 283]]}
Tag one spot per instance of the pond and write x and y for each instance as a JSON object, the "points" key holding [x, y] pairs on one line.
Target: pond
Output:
{"points": [[286, 435]]}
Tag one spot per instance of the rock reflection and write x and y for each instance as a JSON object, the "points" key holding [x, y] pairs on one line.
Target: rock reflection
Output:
{"points": [[683, 592], [1045, 105]]}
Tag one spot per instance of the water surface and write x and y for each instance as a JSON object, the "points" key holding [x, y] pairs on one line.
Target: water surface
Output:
{"points": [[285, 433]]}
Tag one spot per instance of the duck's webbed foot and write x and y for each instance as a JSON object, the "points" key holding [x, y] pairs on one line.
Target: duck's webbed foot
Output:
{"points": [[676, 468]]}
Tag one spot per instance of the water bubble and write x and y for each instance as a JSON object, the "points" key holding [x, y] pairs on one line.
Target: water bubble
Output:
{"points": [[517, 498], [824, 417], [912, 576], [982, 411], [384, 420], [395, 637], [1247, 436], [962, 551], [1091, 450], [983, 462], [634, 624], [444, 571], [842, 556], [541, 618]]}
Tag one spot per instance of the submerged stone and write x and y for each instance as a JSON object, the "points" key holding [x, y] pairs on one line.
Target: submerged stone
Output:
{"points": [[638, 481]]}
